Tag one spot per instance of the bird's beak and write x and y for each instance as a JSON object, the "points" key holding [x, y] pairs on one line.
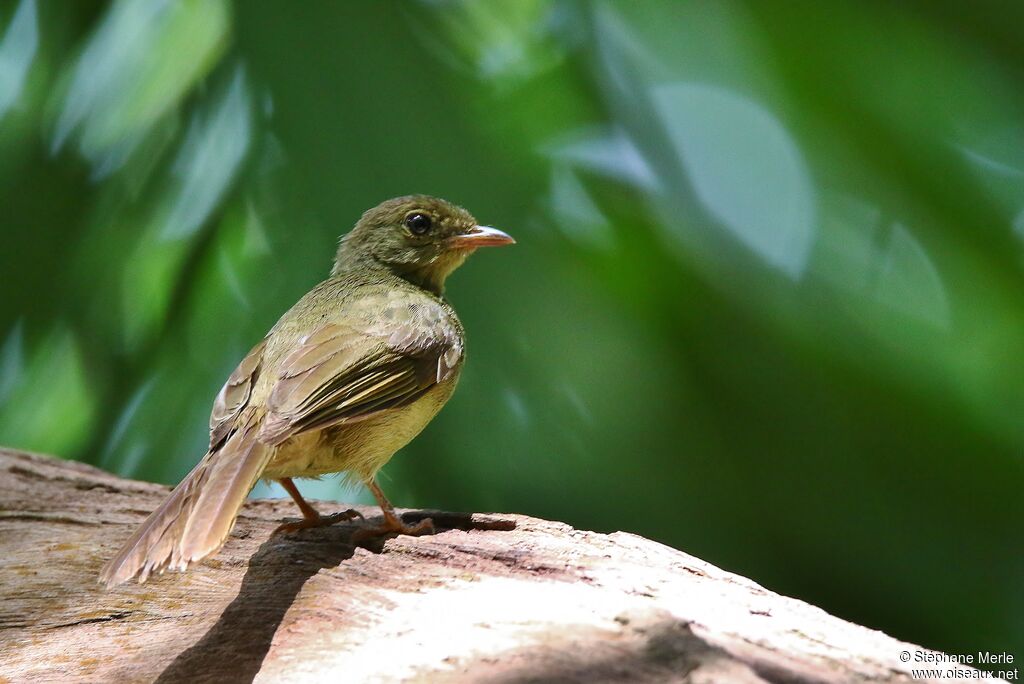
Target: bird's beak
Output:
{"points": [[481, 236]]}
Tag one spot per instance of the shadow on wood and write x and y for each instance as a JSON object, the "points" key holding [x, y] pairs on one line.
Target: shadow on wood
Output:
{"points": [[234, 648]]}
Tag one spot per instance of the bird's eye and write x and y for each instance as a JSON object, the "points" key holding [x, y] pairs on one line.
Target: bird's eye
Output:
{"points": [[418, 224]]}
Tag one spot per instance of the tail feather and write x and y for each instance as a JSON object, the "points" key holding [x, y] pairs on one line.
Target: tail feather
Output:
{"points": [[196, 518], [218, 502]]}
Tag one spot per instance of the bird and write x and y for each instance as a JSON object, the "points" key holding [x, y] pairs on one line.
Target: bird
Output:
{"points": [[345, 378]]}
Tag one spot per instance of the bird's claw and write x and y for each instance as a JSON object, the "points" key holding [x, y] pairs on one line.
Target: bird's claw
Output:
{"points": [[319, 521], [393, 526]]}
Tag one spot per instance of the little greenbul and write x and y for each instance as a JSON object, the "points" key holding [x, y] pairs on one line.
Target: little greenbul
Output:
{"points": [[347, 377]]}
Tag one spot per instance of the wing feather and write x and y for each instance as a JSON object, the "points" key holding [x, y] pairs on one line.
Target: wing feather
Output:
{"points": [[341, 373], [235, 394]]}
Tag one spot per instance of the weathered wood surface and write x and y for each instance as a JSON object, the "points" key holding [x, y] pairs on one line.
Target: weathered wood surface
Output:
{"points": [[491, 598]]}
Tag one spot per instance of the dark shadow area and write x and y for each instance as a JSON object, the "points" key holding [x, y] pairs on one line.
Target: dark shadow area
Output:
{"points": [[446, 520], [234, 648], [652, 650]]}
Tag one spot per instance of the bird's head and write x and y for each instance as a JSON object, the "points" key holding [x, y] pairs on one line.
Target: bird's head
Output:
{"points": [[418, 237]]}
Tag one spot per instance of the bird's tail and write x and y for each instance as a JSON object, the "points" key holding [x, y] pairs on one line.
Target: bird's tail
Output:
{"points": [[196, 518]]}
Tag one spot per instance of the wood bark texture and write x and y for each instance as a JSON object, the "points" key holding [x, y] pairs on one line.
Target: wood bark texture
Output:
{"points": [[490, 598]]}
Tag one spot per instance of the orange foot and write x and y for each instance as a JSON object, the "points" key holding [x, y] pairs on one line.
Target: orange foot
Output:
{"points": [[318, 521], [393, 525]]}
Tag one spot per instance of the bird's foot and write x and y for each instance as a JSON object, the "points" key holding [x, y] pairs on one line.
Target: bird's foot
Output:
{"points": [[318, 521], [393, 525]]}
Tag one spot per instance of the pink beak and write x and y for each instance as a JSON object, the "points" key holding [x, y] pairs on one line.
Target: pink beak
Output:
{"points": [[481, 236]]}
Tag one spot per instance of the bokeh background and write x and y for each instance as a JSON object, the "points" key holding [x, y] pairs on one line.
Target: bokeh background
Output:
{"points": [[767, 304]]}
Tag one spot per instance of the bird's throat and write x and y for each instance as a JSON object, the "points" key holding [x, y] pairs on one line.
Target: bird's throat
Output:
{"points": [[431, 276]]}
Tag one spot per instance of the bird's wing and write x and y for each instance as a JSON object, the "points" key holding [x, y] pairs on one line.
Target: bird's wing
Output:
{"points": [[347, 372], [235, 394]]}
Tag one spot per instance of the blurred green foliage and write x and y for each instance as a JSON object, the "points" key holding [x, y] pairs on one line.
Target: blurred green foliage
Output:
{"points": [[767, 304]]}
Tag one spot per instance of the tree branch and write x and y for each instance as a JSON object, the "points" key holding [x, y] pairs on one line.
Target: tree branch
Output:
{"points": [[491, 598]]}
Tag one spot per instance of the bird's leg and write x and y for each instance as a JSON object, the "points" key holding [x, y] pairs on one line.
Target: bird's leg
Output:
{"points": [[392, 523], [310, 516]]}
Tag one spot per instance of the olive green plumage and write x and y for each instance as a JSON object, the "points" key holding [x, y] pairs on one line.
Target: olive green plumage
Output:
{"points": [[347, 377]]}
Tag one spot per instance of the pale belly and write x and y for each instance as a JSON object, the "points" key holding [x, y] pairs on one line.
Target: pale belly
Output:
{"points": [[361, 448]]}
